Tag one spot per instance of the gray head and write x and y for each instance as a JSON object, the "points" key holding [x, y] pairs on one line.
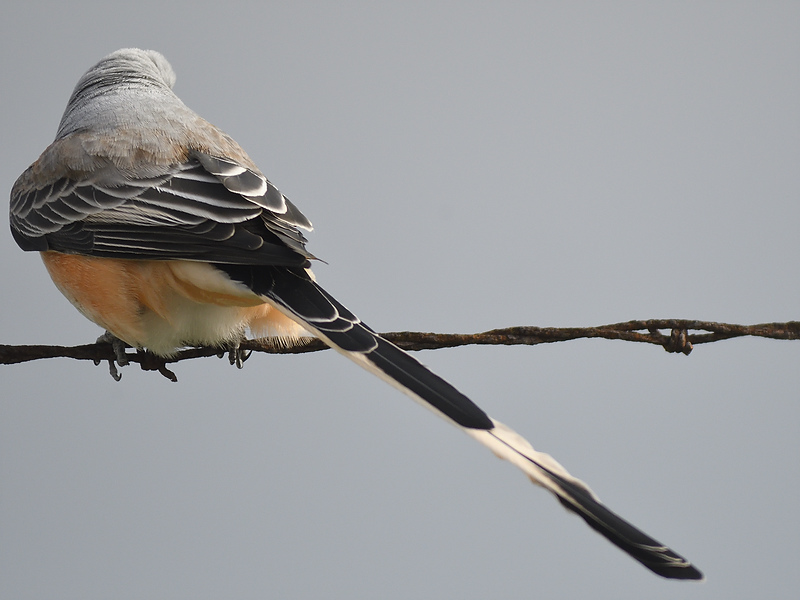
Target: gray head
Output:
{"points": [[111, 86], [131, 65]]}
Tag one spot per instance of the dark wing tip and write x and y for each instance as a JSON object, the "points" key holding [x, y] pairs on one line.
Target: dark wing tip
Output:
{"points": [[29, 243]]}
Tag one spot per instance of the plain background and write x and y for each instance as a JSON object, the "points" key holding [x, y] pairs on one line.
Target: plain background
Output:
{"points": [[467, 166]]}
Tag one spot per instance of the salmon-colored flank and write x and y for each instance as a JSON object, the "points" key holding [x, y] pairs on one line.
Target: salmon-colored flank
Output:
{"points": [[124, 296]]}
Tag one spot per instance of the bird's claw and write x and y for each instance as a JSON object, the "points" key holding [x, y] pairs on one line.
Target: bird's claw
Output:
{"points": [[151, 362], [236, 354], [120, 357]]}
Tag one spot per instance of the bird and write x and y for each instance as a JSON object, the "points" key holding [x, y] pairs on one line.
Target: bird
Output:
{"points": [[159, 228]]}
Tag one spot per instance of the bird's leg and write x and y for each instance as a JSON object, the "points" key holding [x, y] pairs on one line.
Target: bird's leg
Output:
{"points": [[120, 357]]}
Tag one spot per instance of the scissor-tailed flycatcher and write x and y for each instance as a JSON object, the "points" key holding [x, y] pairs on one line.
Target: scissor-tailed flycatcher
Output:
{"points": [[158, 227]]}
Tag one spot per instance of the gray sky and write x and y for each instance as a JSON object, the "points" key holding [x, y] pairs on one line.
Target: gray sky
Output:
{"points": [[466, 167]]}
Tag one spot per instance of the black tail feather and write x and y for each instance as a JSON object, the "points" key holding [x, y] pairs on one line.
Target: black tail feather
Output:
{"points": [[295, 293]]}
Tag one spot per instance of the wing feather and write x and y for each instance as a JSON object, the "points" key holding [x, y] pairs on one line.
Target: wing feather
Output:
{"points": [[206, 208]]}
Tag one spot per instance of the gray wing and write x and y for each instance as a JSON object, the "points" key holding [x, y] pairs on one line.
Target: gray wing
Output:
{"points": [[207, 208]]}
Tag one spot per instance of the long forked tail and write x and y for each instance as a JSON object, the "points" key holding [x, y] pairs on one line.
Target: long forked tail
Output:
{"points": [[295, 294]]}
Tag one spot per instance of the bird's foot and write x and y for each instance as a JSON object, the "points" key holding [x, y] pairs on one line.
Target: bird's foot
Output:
{"points": [[120, 356], [147, 360], [152, 362], [236, 354]]}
